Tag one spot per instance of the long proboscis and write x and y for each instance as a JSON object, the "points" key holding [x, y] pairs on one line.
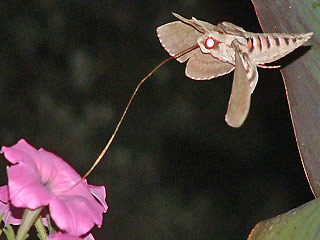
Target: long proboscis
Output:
{"points": [[128, 105]]}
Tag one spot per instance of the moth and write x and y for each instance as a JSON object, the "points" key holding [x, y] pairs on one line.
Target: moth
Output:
{"points": [[212, 51]]}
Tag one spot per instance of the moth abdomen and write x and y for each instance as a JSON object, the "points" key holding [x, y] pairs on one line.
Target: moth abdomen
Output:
{"points": [[269, 47], [258, 43], [262, 42], [277, 40]]}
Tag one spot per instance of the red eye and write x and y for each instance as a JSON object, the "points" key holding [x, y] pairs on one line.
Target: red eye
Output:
{"points": [[210, 43]]}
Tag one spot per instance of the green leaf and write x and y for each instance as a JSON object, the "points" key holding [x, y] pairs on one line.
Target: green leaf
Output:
{"points": [[42, 234], [315, 5], [300, 223], [1, 217], [301, 76], [28, 219], [50, 227], [9, 232]]}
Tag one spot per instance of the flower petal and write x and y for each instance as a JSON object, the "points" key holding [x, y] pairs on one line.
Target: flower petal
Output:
{"points": [[20, 152], [100, 194], [65, 236], [4, 194], [11, 215], [75, 214], [38, 178], [62, 236]]}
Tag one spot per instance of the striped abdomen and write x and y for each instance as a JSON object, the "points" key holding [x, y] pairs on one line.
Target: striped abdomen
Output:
{"points": [[265, 47]]}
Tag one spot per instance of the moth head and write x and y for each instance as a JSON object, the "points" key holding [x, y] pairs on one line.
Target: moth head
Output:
{"points": [[210, 39], [208, 42]]}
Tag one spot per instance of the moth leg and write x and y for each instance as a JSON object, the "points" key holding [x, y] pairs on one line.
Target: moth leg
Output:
{"points": [[268, 67]]}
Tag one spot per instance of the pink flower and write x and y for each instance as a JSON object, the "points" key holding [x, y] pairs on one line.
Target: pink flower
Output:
{"points": [[12, 215], [65, 236], [39, 178]]}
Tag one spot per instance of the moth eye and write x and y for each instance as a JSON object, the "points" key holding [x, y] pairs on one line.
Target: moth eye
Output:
{"points": [[210, 42]]}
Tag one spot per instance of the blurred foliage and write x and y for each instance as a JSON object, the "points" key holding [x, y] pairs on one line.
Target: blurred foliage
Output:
{"points": [[175, 170], [302, 223], [301, 77], [315, 5]]}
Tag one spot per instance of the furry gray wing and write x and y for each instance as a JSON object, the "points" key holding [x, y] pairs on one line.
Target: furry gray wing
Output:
{"points": [[202, 66], [176, 37], [239, 102]]}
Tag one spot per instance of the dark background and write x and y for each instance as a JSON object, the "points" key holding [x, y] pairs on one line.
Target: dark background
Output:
{"points": [[175, 170]]}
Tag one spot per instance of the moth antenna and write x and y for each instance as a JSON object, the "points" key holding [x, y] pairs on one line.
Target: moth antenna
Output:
{"points": [[201, 25], [122, 117], [182, 19], [189, 22]]}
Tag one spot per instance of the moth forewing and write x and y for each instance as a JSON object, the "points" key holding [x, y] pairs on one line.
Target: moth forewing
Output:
{"points": [[176, 37], [239, 102]]}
